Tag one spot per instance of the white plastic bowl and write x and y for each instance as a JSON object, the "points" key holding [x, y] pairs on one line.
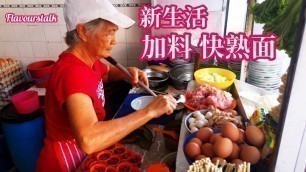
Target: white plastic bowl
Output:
{"points": [[191, 115], [141, 102]]}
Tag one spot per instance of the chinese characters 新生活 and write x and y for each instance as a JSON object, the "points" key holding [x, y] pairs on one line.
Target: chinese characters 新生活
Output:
{"points": [[230, 47], [173, 17]]}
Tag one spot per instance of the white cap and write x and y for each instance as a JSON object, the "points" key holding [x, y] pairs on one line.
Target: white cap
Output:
{"points": [[83, 11]]}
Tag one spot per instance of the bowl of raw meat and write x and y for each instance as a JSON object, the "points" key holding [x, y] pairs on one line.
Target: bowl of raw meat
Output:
{"points": [[208, 97]]}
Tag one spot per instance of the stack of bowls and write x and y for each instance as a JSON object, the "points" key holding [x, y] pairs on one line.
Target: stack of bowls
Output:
{"points": [[265, 74]]}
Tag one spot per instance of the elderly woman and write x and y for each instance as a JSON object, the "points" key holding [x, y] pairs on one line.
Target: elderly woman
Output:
{"points": [[75, 97]]}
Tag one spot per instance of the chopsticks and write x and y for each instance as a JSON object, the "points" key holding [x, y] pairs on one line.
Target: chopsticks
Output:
{"points": [[124, 70]]}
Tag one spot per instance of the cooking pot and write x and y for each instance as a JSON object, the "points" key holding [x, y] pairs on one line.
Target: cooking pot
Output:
{"points": [[157, 79], [181, 75]]}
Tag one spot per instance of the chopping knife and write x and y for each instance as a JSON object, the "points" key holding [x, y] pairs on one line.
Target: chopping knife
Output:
{"points": [[124, 70]]}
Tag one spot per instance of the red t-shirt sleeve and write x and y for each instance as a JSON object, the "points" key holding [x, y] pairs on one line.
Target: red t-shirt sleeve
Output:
{"points": [[72, 80]]}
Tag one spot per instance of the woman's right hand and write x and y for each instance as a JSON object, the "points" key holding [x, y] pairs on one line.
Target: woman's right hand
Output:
{"points": [[162, 104]]}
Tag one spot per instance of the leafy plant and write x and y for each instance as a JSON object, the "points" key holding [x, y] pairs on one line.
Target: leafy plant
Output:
{"points": [[281, 18], [268, 10]]}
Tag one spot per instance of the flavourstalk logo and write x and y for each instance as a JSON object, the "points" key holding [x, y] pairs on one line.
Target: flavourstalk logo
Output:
{"points": [[230, 47], [42, 18]]}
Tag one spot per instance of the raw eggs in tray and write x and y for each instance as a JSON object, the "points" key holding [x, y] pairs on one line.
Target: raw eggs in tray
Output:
{"points": [[230, 145]]}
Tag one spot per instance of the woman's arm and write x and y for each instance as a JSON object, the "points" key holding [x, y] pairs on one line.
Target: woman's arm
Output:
{"points": [[93, 135]]}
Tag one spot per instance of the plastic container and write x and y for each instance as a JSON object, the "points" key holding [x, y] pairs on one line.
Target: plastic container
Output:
{"points": [[40, 72], [230, 77], [26, 102], [24, 136], [6, 162]]}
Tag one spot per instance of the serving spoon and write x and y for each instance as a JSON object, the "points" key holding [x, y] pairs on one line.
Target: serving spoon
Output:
{"points": [[181, 99]]}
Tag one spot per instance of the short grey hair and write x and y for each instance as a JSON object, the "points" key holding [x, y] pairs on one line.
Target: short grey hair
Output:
{"points": [[92, 26]]}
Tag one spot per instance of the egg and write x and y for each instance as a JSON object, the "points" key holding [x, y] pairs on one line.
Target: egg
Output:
{"points": [[242, 137], [236, 152], [229, 130], [191, 120], [250, 154], [204, 134], [200, 157], [237, 162], [192, 150], [242, 145], [221, 160], [208, 115], [194, 129], [205, 122], [191, 125], [196, 140], [255, 136], [214, 138], [200, 117], [223, 147], [208, 150], [196, 113], [199, 124]]}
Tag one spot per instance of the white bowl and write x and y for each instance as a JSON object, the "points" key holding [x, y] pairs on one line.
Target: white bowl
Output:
{"points": [[141, 102], [189, 116]]}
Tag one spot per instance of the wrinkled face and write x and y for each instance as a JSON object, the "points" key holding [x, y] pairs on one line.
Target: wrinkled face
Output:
{"points": [[100, 43]]}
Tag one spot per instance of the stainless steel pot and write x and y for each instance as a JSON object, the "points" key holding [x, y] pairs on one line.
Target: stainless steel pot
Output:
{"points": [[181, 75], [157, 79]]}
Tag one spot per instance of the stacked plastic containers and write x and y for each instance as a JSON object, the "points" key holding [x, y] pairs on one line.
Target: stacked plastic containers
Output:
{"points": [[11, 74], [24, 135]]}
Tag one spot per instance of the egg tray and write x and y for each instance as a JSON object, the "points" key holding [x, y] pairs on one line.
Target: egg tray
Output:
{"points": [[11, 74], [8, 62], [9, 84]]}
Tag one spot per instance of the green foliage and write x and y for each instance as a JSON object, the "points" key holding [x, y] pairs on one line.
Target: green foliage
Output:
{"points": [[268, 10], [281, 18]]}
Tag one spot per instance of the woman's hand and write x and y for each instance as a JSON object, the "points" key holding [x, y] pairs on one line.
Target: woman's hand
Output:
{"points": [[138, 75], [162, 104]]}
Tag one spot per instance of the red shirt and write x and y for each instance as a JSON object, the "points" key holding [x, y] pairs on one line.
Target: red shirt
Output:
{"points": [[69, 75]]}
